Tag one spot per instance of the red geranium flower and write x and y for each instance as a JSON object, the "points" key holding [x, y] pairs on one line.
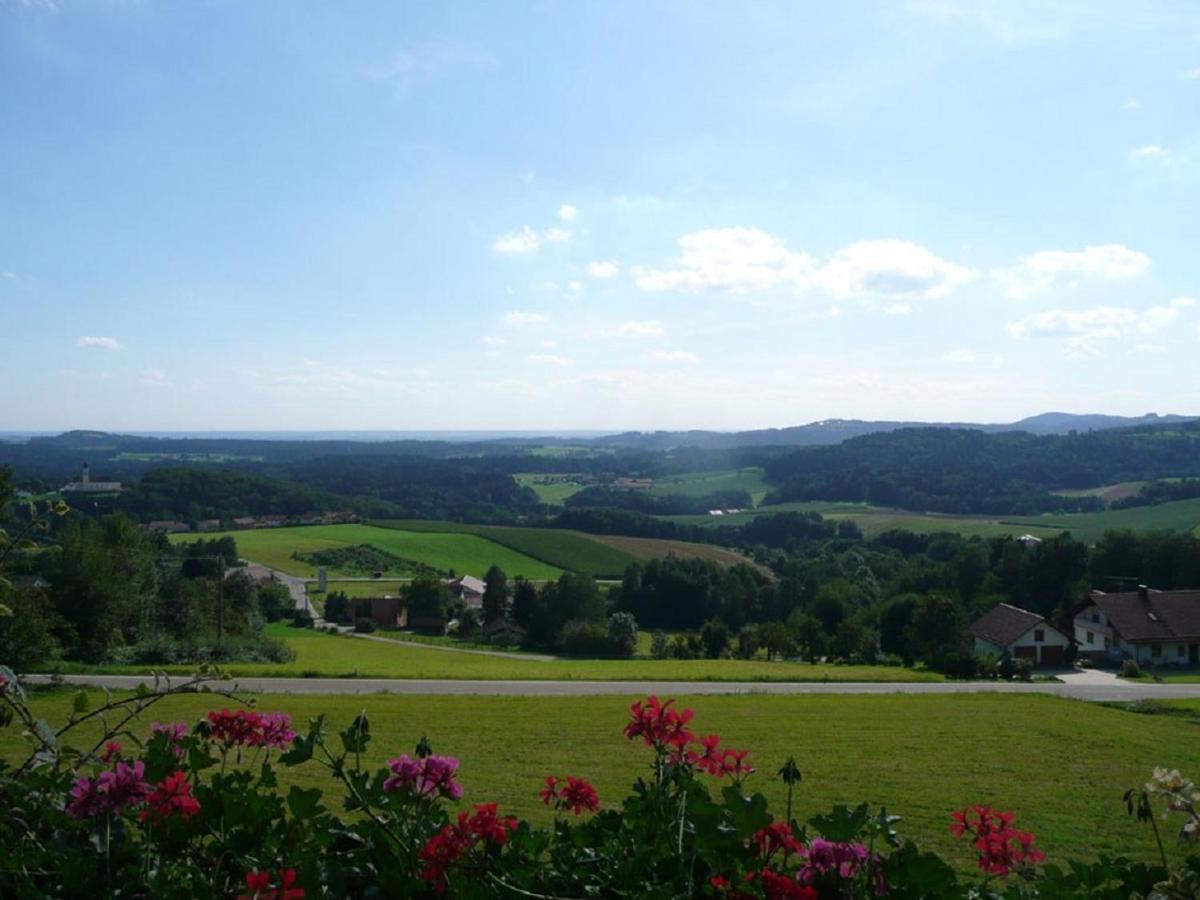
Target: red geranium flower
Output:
{"points": [[1001, 847], [659, 726], [260, 886], [170, 796]]}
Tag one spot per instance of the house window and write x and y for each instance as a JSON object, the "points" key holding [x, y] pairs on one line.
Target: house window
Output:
{"points": [[1039, 635], [1179, 651], [1095, 617], [1107, 643], [1156, 650], [1091, 638]]}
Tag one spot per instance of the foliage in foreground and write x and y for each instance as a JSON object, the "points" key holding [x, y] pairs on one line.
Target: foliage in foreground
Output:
{"points": [[195, 810]]}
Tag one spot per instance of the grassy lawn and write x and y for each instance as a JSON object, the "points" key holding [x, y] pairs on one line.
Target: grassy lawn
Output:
{"points": [[553, 492], [466, 554], [657, 548], [698, 484], [1179, 515], [331, 655], [1060, 765], [373, 588], [570, 550]]}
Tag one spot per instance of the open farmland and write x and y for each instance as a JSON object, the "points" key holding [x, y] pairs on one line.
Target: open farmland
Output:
{"points": [[572, 551], [920, 756], [698, 484], [324, 655], [1179, 515], [466, 554], [657, 548], [548, 488]]}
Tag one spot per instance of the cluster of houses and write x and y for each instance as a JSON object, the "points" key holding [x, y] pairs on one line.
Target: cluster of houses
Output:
{"points": [[1153, 628], [466, 590], [173, 526]]}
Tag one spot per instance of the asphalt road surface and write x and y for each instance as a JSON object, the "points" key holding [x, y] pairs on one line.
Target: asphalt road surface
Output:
{"points": [[1117, 690]]}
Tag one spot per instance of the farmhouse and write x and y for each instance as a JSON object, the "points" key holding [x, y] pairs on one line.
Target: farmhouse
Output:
{"points": [[386, 611], [1020, 633], [468, 589], [1151, 627], [169, 526]]}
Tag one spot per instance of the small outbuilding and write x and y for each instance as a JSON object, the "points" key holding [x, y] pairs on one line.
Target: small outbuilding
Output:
{"points": [[1021, 634]]}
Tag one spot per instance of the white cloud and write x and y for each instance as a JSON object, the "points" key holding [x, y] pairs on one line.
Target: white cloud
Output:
{"points": [[549, 359], [154, 378], [418, 66], [636, 328], [518, 242], [603, 268], [891, 268], [960, 357], [737, 260], [675, 356], [568, 213], [1150, 348], [493, 341], [574, 286], [101, 343], [556, 235], [1131, 105], [744, 260], [897, 309], [1082, 331], [1183, 302], [1190, 74], [549, 345], [519, 317], [1044, 269]]}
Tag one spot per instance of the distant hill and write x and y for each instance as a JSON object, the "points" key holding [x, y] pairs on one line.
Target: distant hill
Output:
{"points": [[834, 431]]}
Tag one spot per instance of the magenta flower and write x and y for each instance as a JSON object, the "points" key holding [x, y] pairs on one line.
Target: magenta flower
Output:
{"points": [[111, 791], [428, 777]]}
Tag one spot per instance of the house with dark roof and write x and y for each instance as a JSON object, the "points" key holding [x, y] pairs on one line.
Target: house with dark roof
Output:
{"points": [[468, 589], [1019, 633], [1151, 627]]}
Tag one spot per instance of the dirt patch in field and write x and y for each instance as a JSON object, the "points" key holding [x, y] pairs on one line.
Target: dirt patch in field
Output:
{"points": [[654, 548]]}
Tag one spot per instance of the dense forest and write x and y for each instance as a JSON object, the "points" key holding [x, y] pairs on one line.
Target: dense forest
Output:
{"points": [[961, 471]]}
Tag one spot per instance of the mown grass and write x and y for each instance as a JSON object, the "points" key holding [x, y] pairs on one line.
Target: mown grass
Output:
{"points": [[319, 654], [466, 554], [699, 484], [554, 493], [1179, 515], [1060, 765], [372, 588], [573, 551]]}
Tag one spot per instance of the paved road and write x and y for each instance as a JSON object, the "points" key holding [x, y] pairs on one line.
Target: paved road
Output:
{"points": [[1116, 691]]}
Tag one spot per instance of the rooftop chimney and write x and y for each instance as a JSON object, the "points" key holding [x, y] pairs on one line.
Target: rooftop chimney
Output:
{"points": [[1143, 592]]}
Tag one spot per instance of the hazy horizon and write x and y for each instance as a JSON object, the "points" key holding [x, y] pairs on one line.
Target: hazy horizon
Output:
{"points": [[480, 217]]}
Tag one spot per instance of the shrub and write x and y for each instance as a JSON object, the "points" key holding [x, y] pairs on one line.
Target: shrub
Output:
{"points": [[660, 646], [622, 635], [584, 639], [1130, 669], [302, 619], [1024, 669], [959, 664], [364, 625]]}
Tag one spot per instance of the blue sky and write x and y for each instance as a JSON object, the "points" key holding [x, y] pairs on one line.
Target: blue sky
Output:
{"points": [[573, 215]]}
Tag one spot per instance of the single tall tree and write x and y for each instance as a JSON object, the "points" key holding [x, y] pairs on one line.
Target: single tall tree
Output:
{"points": [[495, 594]]}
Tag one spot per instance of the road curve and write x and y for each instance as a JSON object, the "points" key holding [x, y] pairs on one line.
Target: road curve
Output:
{"points": [[1117, 691]]}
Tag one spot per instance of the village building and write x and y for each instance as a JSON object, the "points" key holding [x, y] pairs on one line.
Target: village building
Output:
{"points": [[1150, 627], [169, 526], [208, 525], [468, 589], [1019, 633], [85, 485]]}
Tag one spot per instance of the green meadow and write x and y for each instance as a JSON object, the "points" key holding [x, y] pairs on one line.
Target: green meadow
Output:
{"points": [[1060, 765], [324, 655], [572, 551], [698, 484], [466, 554]]}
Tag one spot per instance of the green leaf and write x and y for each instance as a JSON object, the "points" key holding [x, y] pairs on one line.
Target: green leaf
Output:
{"points": [[358, 735], [749, 813], [841, 824], [81, 702], [304, 804]]}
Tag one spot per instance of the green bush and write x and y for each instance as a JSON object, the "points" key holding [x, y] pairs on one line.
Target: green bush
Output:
{"points": [[1130, 669], [364, 626], [1024, 669]]}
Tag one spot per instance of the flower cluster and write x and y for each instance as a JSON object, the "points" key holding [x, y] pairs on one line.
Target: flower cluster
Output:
{"points": [[720, 761], [111, 752], [574, 794], [450, 845], [819, 864], [838, 860], [109, 792], [171, 796], [429, 777], [174, 732], [659, 726], [248, 728], [1002, 848], [259, 884], [1182, 796]]}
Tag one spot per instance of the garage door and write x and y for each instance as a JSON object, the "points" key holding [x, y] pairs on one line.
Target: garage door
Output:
{"points": [[1052, 656], [1025, 653]]}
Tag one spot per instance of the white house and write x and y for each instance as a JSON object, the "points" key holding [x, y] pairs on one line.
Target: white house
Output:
{"points": [[1021, 634], [1152, 627]]}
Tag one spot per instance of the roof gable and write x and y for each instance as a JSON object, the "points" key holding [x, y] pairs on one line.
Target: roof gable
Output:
{"points": [[1003, 624], [1160, 616]]}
